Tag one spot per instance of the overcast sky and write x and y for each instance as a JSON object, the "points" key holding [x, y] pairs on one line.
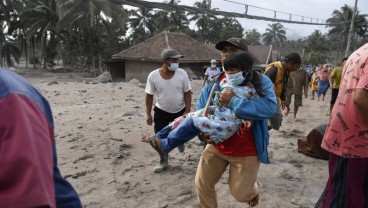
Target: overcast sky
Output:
{"points": [[321, 9]]}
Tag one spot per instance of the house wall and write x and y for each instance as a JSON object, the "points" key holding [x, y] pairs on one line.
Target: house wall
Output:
{"points": [[117, 70], [139, 69]]}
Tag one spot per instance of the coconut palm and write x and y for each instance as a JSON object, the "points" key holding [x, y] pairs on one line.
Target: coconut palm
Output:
{"points": [[142, 18], [316, 42], [9, 52], [9, 18], [89, 20], [252, 37], [340, 31], [274, 35], [142, 23], [202, 19], [174, 21], [89, 12], [41, 22], [230, 27]]}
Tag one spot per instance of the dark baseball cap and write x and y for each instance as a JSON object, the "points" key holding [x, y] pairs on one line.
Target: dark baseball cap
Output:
{"points": [[238, 42], [170, 53]]}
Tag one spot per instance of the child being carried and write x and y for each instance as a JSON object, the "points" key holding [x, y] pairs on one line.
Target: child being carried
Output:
{"points": [[218, 121]]}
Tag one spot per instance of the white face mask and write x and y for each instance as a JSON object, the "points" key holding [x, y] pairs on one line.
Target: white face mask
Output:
{"points": [[235, 79], [213, 66], [173, 66]]}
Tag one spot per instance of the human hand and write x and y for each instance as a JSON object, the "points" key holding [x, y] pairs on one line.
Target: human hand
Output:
{"points": [[186, 112], [225, 96], [208, 139], [149, 119]]}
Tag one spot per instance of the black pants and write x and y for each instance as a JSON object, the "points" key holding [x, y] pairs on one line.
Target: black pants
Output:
{"points": [[334, 94], [163, 118]]}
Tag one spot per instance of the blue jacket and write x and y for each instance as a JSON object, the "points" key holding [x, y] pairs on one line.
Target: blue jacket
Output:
{"points": [[257, 109]]}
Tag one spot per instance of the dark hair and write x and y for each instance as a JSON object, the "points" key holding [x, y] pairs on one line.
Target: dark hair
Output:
{"points": [[293, 58], [243, 60], [344, 59]]}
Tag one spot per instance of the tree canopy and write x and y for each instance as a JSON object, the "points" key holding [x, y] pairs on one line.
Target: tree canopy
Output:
{"points": [[84, 33]]}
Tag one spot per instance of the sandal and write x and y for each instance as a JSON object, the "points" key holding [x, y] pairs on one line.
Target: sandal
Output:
{"points": [[153, 142]]}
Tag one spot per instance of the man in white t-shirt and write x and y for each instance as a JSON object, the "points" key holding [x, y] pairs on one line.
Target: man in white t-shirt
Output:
{"points": [[211, 71], [173, 98]]}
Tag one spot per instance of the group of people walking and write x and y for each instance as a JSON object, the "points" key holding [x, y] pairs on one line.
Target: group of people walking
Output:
{"points": [[253, 101]]}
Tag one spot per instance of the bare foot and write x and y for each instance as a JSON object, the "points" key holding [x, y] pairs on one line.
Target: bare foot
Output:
{"points": [[295, 119], [287, 112], [253, 202]]}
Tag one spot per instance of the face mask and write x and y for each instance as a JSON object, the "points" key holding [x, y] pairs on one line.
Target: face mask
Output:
{"points": [[213, 66], [235, 79], [173, 66]]}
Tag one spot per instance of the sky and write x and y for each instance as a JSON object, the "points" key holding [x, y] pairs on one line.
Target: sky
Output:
{"points": [[317, 9]]}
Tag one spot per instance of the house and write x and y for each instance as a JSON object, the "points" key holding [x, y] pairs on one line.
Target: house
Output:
{"points": [[139, 60]]}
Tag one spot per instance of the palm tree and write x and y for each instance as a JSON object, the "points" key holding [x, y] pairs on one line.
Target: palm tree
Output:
{"points": [[142, 21], [8, 52], [274, 35], [41, 22], [142, 18], [89, 12], [174, 21], [252, 37], [230, 27], [202, 19], [9, 18], [318, 46], [90, 20], [316, 42], [340, 31]]}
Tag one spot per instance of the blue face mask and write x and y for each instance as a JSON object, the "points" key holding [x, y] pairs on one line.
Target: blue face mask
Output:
{"points": [[236, 78], [173, 66]]}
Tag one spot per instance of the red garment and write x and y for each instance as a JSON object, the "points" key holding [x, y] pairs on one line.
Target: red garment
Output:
{"points": [[26, 173], [238, 146]]}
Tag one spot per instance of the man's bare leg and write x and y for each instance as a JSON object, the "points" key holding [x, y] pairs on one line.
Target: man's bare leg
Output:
{"points": [[287, 111], [295, 112]]}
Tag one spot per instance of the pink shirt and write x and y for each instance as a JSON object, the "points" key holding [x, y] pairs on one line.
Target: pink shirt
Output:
{"points": [[324, 75], [347, 134]]}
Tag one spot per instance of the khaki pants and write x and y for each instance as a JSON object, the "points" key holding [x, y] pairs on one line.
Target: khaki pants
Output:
{"points": [[242, 176]]}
